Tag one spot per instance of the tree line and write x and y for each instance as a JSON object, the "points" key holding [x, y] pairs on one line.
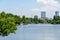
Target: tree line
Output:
{"points": [[9, 22]]}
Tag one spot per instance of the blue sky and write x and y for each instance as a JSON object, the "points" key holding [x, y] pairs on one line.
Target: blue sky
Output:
{"points": [[29, 8]]}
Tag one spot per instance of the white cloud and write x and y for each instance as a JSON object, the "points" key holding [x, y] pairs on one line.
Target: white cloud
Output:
{"points": [[50, 2], [36, 9], [46, 8], [49, 5]]}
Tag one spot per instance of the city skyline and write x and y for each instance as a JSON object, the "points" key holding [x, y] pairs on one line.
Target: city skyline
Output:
{"points": [[44, 15], [29, 8]]}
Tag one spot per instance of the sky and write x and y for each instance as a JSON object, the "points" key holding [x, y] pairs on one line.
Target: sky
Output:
{"points": [[29, 8]]}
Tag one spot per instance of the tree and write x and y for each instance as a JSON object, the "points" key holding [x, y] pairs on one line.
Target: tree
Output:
{"points": [[8, 23], [56, 20], [23, 19], [17, 19]]}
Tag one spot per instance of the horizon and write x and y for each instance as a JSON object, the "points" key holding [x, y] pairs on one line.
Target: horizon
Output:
{"points": [[29, 8]]}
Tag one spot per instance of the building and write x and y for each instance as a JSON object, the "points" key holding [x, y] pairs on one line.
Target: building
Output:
{"points": [[35, 16], [57, 13], [43, 15]]}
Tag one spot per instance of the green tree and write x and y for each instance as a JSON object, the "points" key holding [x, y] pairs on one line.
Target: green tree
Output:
{"points": [[17, 19], [8, 23], [56, 20], [23, 19]]}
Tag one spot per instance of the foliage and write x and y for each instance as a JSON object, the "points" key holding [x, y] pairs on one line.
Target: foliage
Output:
{"points": [[8, 23], [56, 20]]}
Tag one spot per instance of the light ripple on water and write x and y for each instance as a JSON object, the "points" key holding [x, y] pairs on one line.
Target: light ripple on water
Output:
{"points": [[35, 32]]}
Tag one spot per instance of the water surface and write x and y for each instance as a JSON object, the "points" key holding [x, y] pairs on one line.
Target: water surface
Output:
{"points": [[35, 32]]}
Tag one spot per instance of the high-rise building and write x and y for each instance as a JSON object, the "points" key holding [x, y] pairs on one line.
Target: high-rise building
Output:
{"points": [[35, 16], [43, 15], [57, 13]]}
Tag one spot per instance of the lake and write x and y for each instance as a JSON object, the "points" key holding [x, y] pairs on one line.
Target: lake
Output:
{"points": [[35, 32]]}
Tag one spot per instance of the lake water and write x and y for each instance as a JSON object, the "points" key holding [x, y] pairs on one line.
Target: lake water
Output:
{"points": [[35, 32]]}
